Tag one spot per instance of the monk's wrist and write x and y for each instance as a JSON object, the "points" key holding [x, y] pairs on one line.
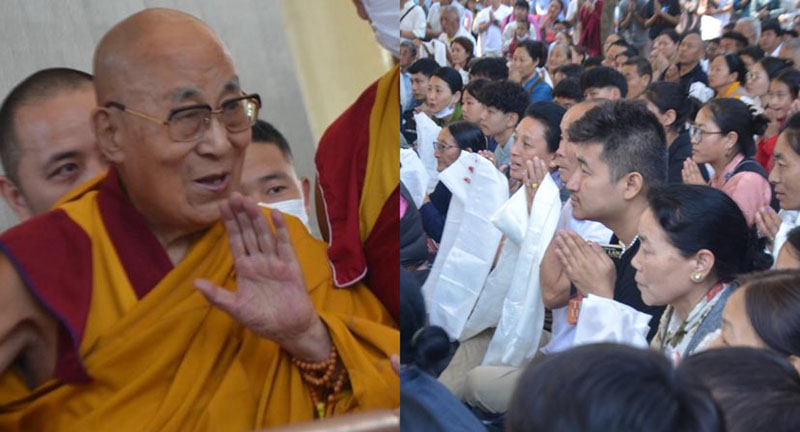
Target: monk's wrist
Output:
{"points": [[313, 344]]}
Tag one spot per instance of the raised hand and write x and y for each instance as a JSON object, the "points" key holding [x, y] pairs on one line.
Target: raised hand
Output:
{"points": [[271, 298], [532, 177], [768, 222]]}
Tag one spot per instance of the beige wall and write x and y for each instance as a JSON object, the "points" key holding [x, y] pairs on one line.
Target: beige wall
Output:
{"points": [[302, 92]]}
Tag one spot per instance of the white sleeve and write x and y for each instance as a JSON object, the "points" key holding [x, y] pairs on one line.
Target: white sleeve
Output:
{"points": [[605, 320], [418, 20]]}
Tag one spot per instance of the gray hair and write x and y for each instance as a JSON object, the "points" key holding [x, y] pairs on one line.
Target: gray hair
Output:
{"points": [[756, 24]]}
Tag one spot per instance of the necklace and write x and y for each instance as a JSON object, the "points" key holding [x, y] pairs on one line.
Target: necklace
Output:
{"points": [[633, 242]]}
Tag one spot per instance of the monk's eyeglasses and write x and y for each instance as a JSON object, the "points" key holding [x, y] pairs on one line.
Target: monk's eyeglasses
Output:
{"points": [[191, 122]]}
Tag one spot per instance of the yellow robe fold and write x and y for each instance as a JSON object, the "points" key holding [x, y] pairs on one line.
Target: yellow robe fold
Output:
{"points": [[172, 362]]}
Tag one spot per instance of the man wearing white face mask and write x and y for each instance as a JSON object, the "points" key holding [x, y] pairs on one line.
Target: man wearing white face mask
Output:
{"points": [[269, 176]]}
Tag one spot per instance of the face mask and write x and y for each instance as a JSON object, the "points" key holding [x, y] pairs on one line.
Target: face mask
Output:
{"points": [[294, 207], [384, 16]]}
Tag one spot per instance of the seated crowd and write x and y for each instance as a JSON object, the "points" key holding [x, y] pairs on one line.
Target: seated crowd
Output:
{"points": [[612, 232]]}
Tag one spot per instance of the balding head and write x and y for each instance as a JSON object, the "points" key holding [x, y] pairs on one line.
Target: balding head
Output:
{"points": [[148, 69]]}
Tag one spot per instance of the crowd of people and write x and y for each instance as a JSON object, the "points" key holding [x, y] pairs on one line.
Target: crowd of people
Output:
{"points": [[600, 211]]}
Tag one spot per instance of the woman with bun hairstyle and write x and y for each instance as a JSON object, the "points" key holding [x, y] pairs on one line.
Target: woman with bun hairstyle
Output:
{"points": [[722, 136], [673, 109], [694, 241]]}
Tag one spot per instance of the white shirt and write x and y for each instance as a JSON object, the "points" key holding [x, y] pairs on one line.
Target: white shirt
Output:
{"points": [[777, 50], [491, 39], [435, 15], [414, 21]]}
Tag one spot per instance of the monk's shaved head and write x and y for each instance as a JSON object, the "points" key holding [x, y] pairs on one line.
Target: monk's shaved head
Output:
{"points": [[148, 40]]}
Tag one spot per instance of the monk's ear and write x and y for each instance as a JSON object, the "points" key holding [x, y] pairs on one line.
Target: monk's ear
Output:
{"points": [[107, 134], [15, 199], [305, 184]]}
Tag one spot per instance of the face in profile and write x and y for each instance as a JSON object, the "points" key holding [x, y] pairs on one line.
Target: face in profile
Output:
{"points": [[662, 272], [471, 109], [58, 151], [446, 150], [736, 327], [592, 193], [785, 174]]}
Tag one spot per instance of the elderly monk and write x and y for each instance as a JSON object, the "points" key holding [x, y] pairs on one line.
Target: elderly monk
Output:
{"points": [[156, 298]]}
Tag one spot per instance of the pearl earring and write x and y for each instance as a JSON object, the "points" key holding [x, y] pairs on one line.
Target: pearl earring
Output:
{"points": [[697, 276]]}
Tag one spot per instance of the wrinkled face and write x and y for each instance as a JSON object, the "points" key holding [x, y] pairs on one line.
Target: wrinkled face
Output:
{"points": [[439, 95], [58, 149], [785, 174], [471, 109], [495, 122], [736, 327], [779, 99], [788, 258], [719, 75], [558, 56], [662, 273], [268, 176], [636, 83], [768, 41], [666, 46], [691, 49], [458, 54], [593, 195], [446, 151], [529, 142], [178, 186], [449, 23], [757, 81], [710, 146], [565, 160], [419, 86], [729, 46], [405, 57], [747, 30], [523, 63]]}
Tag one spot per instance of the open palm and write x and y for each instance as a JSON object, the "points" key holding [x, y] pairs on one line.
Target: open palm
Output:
{"points": [[270, 296]]}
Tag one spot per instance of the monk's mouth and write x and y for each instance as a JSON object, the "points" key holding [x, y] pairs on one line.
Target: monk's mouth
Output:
{"points": [[214, 182]]}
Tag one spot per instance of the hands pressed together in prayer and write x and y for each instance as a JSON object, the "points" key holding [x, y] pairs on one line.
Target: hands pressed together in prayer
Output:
{"points": [[271, 298], [691, 173], [586, 264]]}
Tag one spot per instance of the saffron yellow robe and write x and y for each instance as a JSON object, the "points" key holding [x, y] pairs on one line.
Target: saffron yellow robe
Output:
{"points": [[168, 360]]}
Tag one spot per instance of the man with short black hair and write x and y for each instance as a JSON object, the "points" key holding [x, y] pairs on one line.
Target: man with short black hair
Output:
{"points": [[622, 57], [492, 68], [614, 49], [603, 82], [420, 72], [269, 175], [569, 70], [732, 42], [568, 92], [47, 144], [638, 74], [770, 40], [622, 154], [505, 103]]}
